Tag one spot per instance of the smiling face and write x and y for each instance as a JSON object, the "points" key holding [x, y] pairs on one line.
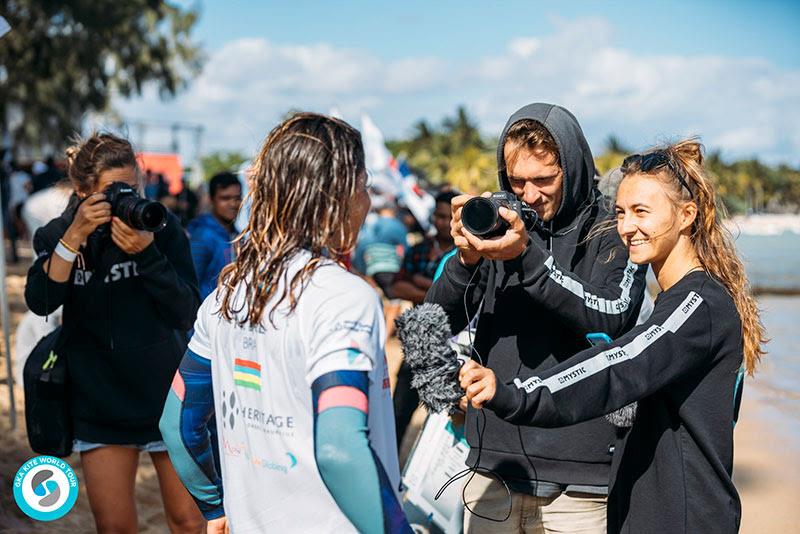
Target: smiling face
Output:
{"points": [[648, 219], [536, 178]]}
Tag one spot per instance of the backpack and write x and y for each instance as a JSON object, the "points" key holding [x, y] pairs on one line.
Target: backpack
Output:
{"points": [[46, 382]]}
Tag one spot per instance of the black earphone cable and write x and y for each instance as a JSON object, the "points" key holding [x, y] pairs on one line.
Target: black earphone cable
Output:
{"points": [[471, 471]]}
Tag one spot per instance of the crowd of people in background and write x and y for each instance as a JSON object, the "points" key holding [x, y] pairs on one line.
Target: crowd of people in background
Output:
{"points": [[393, 253], [286, 296], [33, 193]]}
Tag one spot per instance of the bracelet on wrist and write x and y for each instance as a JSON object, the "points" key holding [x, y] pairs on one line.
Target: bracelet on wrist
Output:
{"points": [[67, 246]]}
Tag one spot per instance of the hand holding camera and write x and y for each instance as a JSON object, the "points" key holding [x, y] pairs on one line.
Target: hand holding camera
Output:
{"points": [[491, 226], [129, 240], [93, 212], [119, 213]]}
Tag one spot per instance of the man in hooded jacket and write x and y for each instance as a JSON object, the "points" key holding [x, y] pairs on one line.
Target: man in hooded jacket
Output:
{"points": [[540, 288]]}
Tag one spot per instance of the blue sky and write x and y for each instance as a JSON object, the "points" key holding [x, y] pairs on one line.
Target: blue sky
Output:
{"points": [[451, 29], [645, 71]]}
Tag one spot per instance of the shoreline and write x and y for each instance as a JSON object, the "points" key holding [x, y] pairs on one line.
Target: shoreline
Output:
{"points": [[764, 224], [763, 291]]}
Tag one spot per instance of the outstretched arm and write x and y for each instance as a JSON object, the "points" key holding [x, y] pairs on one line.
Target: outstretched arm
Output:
{"points": [[672, 343]]}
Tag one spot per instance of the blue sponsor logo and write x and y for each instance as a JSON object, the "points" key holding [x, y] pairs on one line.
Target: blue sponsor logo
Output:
{"points": [[45, 488]]}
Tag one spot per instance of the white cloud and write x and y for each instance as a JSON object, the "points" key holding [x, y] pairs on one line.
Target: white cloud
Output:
{"points": [[524, 46], [745, 106]]}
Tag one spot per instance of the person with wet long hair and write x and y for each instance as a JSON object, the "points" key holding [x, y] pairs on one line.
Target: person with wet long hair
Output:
{"points": [[684, 365], [288, 356], [127, 295]]}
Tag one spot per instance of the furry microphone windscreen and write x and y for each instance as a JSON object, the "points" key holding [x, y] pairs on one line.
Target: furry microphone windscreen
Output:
{"points": [[424, 333], [624, 417]]}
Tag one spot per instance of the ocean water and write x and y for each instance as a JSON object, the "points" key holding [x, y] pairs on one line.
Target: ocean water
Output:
{"points": [[774, 262], [777, 379]]}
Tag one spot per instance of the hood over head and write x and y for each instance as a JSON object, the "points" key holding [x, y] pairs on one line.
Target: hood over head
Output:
{"points": [[575, 155]]}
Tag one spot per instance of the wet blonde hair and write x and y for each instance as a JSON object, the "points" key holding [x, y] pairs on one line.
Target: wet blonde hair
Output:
{"points": [[301, 188], [711, 239]]}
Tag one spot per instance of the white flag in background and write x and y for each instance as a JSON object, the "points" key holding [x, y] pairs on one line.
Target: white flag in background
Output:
{"points": [[4, 26]]}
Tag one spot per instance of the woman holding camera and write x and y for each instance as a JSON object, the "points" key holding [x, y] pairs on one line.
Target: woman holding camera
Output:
{"points": [[684, 365], [128, 295]]}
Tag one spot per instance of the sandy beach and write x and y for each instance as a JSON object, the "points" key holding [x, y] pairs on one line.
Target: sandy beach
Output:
{"points": [[767, 459]]}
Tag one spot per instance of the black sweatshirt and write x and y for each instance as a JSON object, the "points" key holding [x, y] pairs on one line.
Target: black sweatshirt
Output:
{"points": [[536, 312], [124, 336], [672, 472]]}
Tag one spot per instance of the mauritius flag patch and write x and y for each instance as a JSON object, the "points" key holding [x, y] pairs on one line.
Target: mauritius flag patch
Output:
{"points": [[247, 374]]}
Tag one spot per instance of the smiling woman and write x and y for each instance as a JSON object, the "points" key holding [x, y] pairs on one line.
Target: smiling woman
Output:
{"points": [[684, 365]]}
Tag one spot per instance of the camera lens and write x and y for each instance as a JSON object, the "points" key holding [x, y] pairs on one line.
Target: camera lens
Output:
{"points": [[141, 214], [151, 216], [479, 216]]}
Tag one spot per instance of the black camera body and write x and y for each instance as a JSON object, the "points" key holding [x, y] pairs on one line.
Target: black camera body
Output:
{"points": [[130, 208], [481, 216], [133, 210]]}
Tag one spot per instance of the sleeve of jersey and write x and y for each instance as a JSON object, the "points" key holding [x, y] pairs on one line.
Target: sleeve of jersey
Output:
{"points": [[184, 426], [200, 343], [604, 303], [450, 287], [675, 341], [349, 467], [346, 331]]}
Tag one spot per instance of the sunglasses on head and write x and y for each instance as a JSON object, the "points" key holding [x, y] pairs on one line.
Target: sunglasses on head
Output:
{"points": [[652, 161]]}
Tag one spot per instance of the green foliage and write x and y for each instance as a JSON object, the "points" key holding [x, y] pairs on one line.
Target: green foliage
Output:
{"points": [[62, 60], [750, 185], [455, 153], [744, 186], [217, 162], [611, 158]]}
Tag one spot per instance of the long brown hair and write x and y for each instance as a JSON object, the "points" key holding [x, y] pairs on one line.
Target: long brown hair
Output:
{"points": [[712, 240], [301, 185]]}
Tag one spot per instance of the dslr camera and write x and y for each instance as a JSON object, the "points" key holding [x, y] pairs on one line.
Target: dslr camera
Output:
{"points": [[481, 217], [133, 210]]}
